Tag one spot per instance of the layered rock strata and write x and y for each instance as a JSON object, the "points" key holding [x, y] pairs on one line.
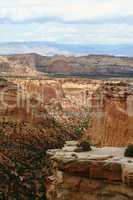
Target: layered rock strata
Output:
{"points": [[101, 174]]}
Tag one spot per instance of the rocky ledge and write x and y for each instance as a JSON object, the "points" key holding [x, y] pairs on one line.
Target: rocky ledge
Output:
{"points": [[99, 174]]}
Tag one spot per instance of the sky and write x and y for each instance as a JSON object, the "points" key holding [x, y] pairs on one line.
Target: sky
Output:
{"points": [[67, 21]]}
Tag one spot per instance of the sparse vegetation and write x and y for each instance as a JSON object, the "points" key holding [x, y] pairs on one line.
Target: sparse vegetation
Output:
{"points": [[23, 165], [129, 151], [81, 126], [85, 145]]}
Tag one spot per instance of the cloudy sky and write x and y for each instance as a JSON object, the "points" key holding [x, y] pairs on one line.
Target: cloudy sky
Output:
{"points": [[67, 21]]}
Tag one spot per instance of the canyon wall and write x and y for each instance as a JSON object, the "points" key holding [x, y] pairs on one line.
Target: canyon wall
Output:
{"points": [[113, 114], [39, 114], [100, 110]]}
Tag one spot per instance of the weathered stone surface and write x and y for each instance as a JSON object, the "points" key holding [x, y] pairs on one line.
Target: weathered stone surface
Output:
{"points": [[112, 123], [120, 189], [77, 167], [115, 197], [108, 171], [89, 185], [71, 182], [101, 174]]}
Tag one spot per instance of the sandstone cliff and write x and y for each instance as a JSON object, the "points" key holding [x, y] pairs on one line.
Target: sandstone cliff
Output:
{"points": [[101, 110], [112, 116]]}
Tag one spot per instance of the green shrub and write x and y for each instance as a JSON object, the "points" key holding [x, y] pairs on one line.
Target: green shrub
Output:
{"points": [[85, 145], [129, 151]]}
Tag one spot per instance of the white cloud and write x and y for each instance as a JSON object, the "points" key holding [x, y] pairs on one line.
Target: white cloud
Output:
{"points": [[18, 10], [21, 11], [69, 33]]}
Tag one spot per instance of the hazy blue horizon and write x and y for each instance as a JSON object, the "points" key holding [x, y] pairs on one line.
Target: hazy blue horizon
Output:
{"points": [[53, 48]]}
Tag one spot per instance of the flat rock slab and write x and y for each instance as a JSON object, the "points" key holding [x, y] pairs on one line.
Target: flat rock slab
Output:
{"points": [[105, 163]]}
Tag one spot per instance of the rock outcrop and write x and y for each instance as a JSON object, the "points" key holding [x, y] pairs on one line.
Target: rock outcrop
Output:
{"points": [[99, 174]]}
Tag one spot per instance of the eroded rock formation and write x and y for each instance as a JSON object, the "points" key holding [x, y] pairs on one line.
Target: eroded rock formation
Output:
{"points": [[107, 106], [99, 174], [112, 116]]}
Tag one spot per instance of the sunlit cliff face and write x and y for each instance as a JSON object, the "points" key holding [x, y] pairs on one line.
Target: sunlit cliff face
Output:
{"points": [[107, 106], [113, 125], [63, 100]]}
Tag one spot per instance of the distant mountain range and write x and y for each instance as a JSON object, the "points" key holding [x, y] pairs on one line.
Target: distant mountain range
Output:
{"points": [[91, 65], [51, 48]]}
